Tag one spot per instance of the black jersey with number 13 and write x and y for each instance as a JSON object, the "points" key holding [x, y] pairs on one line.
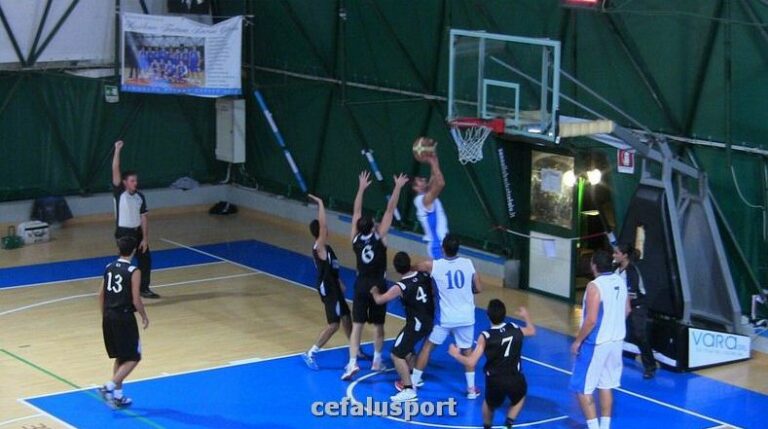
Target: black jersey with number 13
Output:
{"points": [[117, 286], [503, 345], [371, 254]]}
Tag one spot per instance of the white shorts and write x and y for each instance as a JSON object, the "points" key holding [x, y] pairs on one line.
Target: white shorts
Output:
{"points": [[597, 366], [462, 334]]}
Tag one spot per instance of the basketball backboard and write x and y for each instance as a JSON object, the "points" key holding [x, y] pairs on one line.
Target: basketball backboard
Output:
{"points": [[501, 76]]}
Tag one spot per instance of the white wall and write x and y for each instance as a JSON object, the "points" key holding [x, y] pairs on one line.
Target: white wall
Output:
{"points": [[86, 35], [18, 211]]}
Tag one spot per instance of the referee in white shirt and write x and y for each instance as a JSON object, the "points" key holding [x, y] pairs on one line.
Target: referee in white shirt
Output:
{"points": [[131, 217]]}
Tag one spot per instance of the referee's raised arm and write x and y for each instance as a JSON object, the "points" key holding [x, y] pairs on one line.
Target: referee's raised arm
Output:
{"points": [[116, 176]]}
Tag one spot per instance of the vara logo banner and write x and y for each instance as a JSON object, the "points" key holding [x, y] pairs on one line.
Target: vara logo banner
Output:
{"points": [[710, 347]]}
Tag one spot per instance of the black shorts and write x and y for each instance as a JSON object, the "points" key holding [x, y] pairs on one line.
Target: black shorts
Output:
{"points": [[364, 308], [498, 388], [407, 338], [121, 335], [335, 308]]}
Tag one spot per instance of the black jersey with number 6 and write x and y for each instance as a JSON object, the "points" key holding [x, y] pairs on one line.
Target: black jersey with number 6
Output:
{"points": [[371, 254], [417, 297], [117, 286], [503, 345]]}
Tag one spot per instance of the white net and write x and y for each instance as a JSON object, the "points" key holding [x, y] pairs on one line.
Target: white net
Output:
{"points": [[469, 139]]}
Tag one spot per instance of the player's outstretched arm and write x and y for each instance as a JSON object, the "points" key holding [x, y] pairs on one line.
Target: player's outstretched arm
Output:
{"points": [[138, 304], [590, 321], [116, 177], [383, 298], [472, 358], [322, 235], [424, 266], [477, 286], [436, 182], [529, 329], [386, 220], [363, 181]]}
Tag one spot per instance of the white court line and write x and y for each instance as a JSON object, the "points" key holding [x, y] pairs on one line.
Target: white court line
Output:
{"points": [[78, 279], [47, 414], [640, 396], [351, 396], [546, 365], [193, 371], [84, 295], [254, 269], [20, 419]]}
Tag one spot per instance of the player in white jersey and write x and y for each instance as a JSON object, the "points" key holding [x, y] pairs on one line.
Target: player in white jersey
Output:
{"points": [[598, 345], [456, 282], [429, 209]]}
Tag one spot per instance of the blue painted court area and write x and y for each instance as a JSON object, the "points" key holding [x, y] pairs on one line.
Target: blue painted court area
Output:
{"points": [[91, 267], [278, 393]]}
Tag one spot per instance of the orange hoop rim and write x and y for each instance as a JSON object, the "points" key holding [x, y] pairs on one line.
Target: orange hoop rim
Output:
{"points": [[496, 124]]}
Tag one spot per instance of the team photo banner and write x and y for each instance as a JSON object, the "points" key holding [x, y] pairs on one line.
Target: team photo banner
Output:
{"points": [[175, 55]]}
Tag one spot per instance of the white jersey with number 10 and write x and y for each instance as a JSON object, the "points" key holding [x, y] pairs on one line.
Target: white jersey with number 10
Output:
{"points": [[453, 278]]}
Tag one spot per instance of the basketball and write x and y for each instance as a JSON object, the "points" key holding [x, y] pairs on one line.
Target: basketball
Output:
{"points": [[423, 148]]}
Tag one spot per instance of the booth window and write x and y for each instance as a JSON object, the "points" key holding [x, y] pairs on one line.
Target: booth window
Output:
{"points": [[552, 181]]}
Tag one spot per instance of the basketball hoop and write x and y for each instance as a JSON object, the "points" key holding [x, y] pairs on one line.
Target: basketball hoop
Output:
{"points": [[470, 134]]}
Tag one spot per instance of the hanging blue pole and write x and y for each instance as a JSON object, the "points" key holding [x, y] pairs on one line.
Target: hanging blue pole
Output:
{"points": [[280, 141], [368, 154]]}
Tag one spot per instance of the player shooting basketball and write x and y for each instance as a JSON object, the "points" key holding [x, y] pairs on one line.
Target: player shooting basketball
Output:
{"points": [[369, 242], [429, 209]]}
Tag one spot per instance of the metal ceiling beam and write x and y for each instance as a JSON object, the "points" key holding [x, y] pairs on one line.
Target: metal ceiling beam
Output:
{"points": [[650, 83], [703, 68], [303, 32], [33, 59], [400, 45], [40, 27], [12, 38]]}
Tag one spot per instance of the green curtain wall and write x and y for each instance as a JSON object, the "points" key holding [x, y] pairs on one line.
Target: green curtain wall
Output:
{"points": [[689, 67], [57, 134]]}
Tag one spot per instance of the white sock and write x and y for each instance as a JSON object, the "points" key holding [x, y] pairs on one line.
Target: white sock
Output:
{"points": [[416, 376], [352, 362], [592, 424], [376, 356], [110, 385], [118, 393], [313, 350], [605, 423], [470, 380]]}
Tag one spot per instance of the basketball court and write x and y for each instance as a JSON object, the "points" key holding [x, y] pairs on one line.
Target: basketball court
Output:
{"points": [[546, 145], [225, 353]]}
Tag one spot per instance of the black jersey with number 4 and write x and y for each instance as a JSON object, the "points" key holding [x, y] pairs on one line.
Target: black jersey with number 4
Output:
{"points": [[117, 286], [327, 272], [371, 254], [417, 297], [503, 346]]}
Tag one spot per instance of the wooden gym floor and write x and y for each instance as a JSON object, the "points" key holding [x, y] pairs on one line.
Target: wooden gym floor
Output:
{"points": [[210, 314]]}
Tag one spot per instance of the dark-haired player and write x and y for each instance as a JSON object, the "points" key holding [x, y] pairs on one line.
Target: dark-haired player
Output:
{"points": [[119, 298], [415, 291], [598, 344], [502, 345], [456, 282], [329, 285], [369, 242], [131, 217], [429, 208]]}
